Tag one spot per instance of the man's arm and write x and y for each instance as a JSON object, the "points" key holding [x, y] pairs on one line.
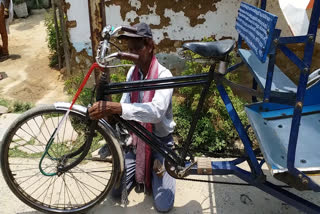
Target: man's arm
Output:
{"points": [[104, 108], [6, 8]]}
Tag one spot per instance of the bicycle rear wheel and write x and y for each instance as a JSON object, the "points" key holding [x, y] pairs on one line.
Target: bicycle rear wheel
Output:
{"points": [[76, 190]]}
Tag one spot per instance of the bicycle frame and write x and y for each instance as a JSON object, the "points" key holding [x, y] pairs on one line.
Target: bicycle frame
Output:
{"points": [[204, 79], [163, 83]]}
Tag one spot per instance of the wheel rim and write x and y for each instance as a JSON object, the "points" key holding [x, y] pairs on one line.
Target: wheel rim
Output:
{"points": [[80, 188]]}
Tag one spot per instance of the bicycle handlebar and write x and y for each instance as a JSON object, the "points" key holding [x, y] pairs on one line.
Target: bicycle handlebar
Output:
{"points": [[104, 46], [118, 55], [128, 56], [129, 29]]}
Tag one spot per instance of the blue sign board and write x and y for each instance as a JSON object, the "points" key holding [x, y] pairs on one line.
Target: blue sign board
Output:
{"points": [[256, 27]]}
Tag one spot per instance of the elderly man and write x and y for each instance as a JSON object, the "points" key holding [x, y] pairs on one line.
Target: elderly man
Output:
{"points": [[4, 16], [154, 110]]}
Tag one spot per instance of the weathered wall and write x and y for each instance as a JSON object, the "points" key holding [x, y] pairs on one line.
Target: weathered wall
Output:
{"points": [[173, 22], [80, 35]]}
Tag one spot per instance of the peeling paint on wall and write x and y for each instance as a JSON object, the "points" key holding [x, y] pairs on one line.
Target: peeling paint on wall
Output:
{"points": [[80, 36], [173, 22]]}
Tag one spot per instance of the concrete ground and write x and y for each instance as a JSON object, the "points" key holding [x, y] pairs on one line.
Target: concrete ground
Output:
{"points": [[27, 75], [191, 197]]}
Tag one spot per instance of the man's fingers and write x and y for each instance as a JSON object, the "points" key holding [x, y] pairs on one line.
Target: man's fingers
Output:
{"points": [[95, 116], [98, 110]]}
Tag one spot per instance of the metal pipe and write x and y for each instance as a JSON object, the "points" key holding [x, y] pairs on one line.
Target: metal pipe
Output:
{"points": [[196, 114], [154, 87], [155, 81]]}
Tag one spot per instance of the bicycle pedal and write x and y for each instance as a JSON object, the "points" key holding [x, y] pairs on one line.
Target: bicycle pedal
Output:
{"points": [[204, 165]]}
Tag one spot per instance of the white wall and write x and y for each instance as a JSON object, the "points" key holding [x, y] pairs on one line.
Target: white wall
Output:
{"points": [[219, 23], [80, 36]]}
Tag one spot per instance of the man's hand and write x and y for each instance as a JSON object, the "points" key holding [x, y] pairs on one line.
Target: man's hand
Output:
{"points": [[6, 13], [103, 109]]}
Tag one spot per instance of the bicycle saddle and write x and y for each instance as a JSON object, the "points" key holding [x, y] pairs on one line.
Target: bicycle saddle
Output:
{"points": [[218, 49]]}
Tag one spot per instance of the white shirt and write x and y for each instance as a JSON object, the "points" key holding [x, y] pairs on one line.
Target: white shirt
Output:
{"points": [[158, 111]]}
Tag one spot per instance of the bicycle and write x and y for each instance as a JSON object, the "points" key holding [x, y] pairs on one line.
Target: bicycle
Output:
{"points": [[66, 170], [66, 159]]}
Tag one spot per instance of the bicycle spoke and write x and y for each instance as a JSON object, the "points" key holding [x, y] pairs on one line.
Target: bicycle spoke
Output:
{"points": [[38, 173], [79, 190], [71, 137], [27, 169], [34, 182], [34, 135], [82, 186], [69, 191], [91, 172], [64, 131], [45, 138], [53, 180], [47, 190], [23, 164], [89, 175], [52, 191], [45, 124], [58, 139], [64, 195], [75, 190], [25, 144], [86, 185], [40, 186]]}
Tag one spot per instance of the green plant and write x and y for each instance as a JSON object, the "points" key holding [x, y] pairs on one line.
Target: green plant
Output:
{"points": [[52, 39], [35, 4], [19, 107], [214, 129], [16, 106], [73, 83], [119, 75], [4, 102], [18, 1]]}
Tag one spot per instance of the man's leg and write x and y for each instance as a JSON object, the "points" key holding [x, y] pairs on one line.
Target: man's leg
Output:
{"points": [[130, 166], [163, 188], [3, 31]]}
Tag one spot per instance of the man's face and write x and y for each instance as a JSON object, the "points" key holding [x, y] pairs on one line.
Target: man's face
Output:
{"points": [[141, 48]]}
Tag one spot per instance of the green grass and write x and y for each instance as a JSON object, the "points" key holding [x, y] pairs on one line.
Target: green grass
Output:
{"points": [[57, 149], [16, 106], [17, 153], [4, 102]]}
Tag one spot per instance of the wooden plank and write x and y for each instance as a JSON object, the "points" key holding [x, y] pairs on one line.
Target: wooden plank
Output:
{"points": [[56, 26], [64, 37], [97, 22]]}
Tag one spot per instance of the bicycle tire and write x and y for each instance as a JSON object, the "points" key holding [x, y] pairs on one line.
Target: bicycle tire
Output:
{"points": [[66, 193]]}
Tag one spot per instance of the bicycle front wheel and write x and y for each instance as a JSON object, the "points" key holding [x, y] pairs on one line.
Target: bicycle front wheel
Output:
{"points": [[74, 191]]}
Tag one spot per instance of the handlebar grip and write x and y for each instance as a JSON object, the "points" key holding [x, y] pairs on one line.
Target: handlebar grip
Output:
{"points": [[128, 56], [129, 29]]}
